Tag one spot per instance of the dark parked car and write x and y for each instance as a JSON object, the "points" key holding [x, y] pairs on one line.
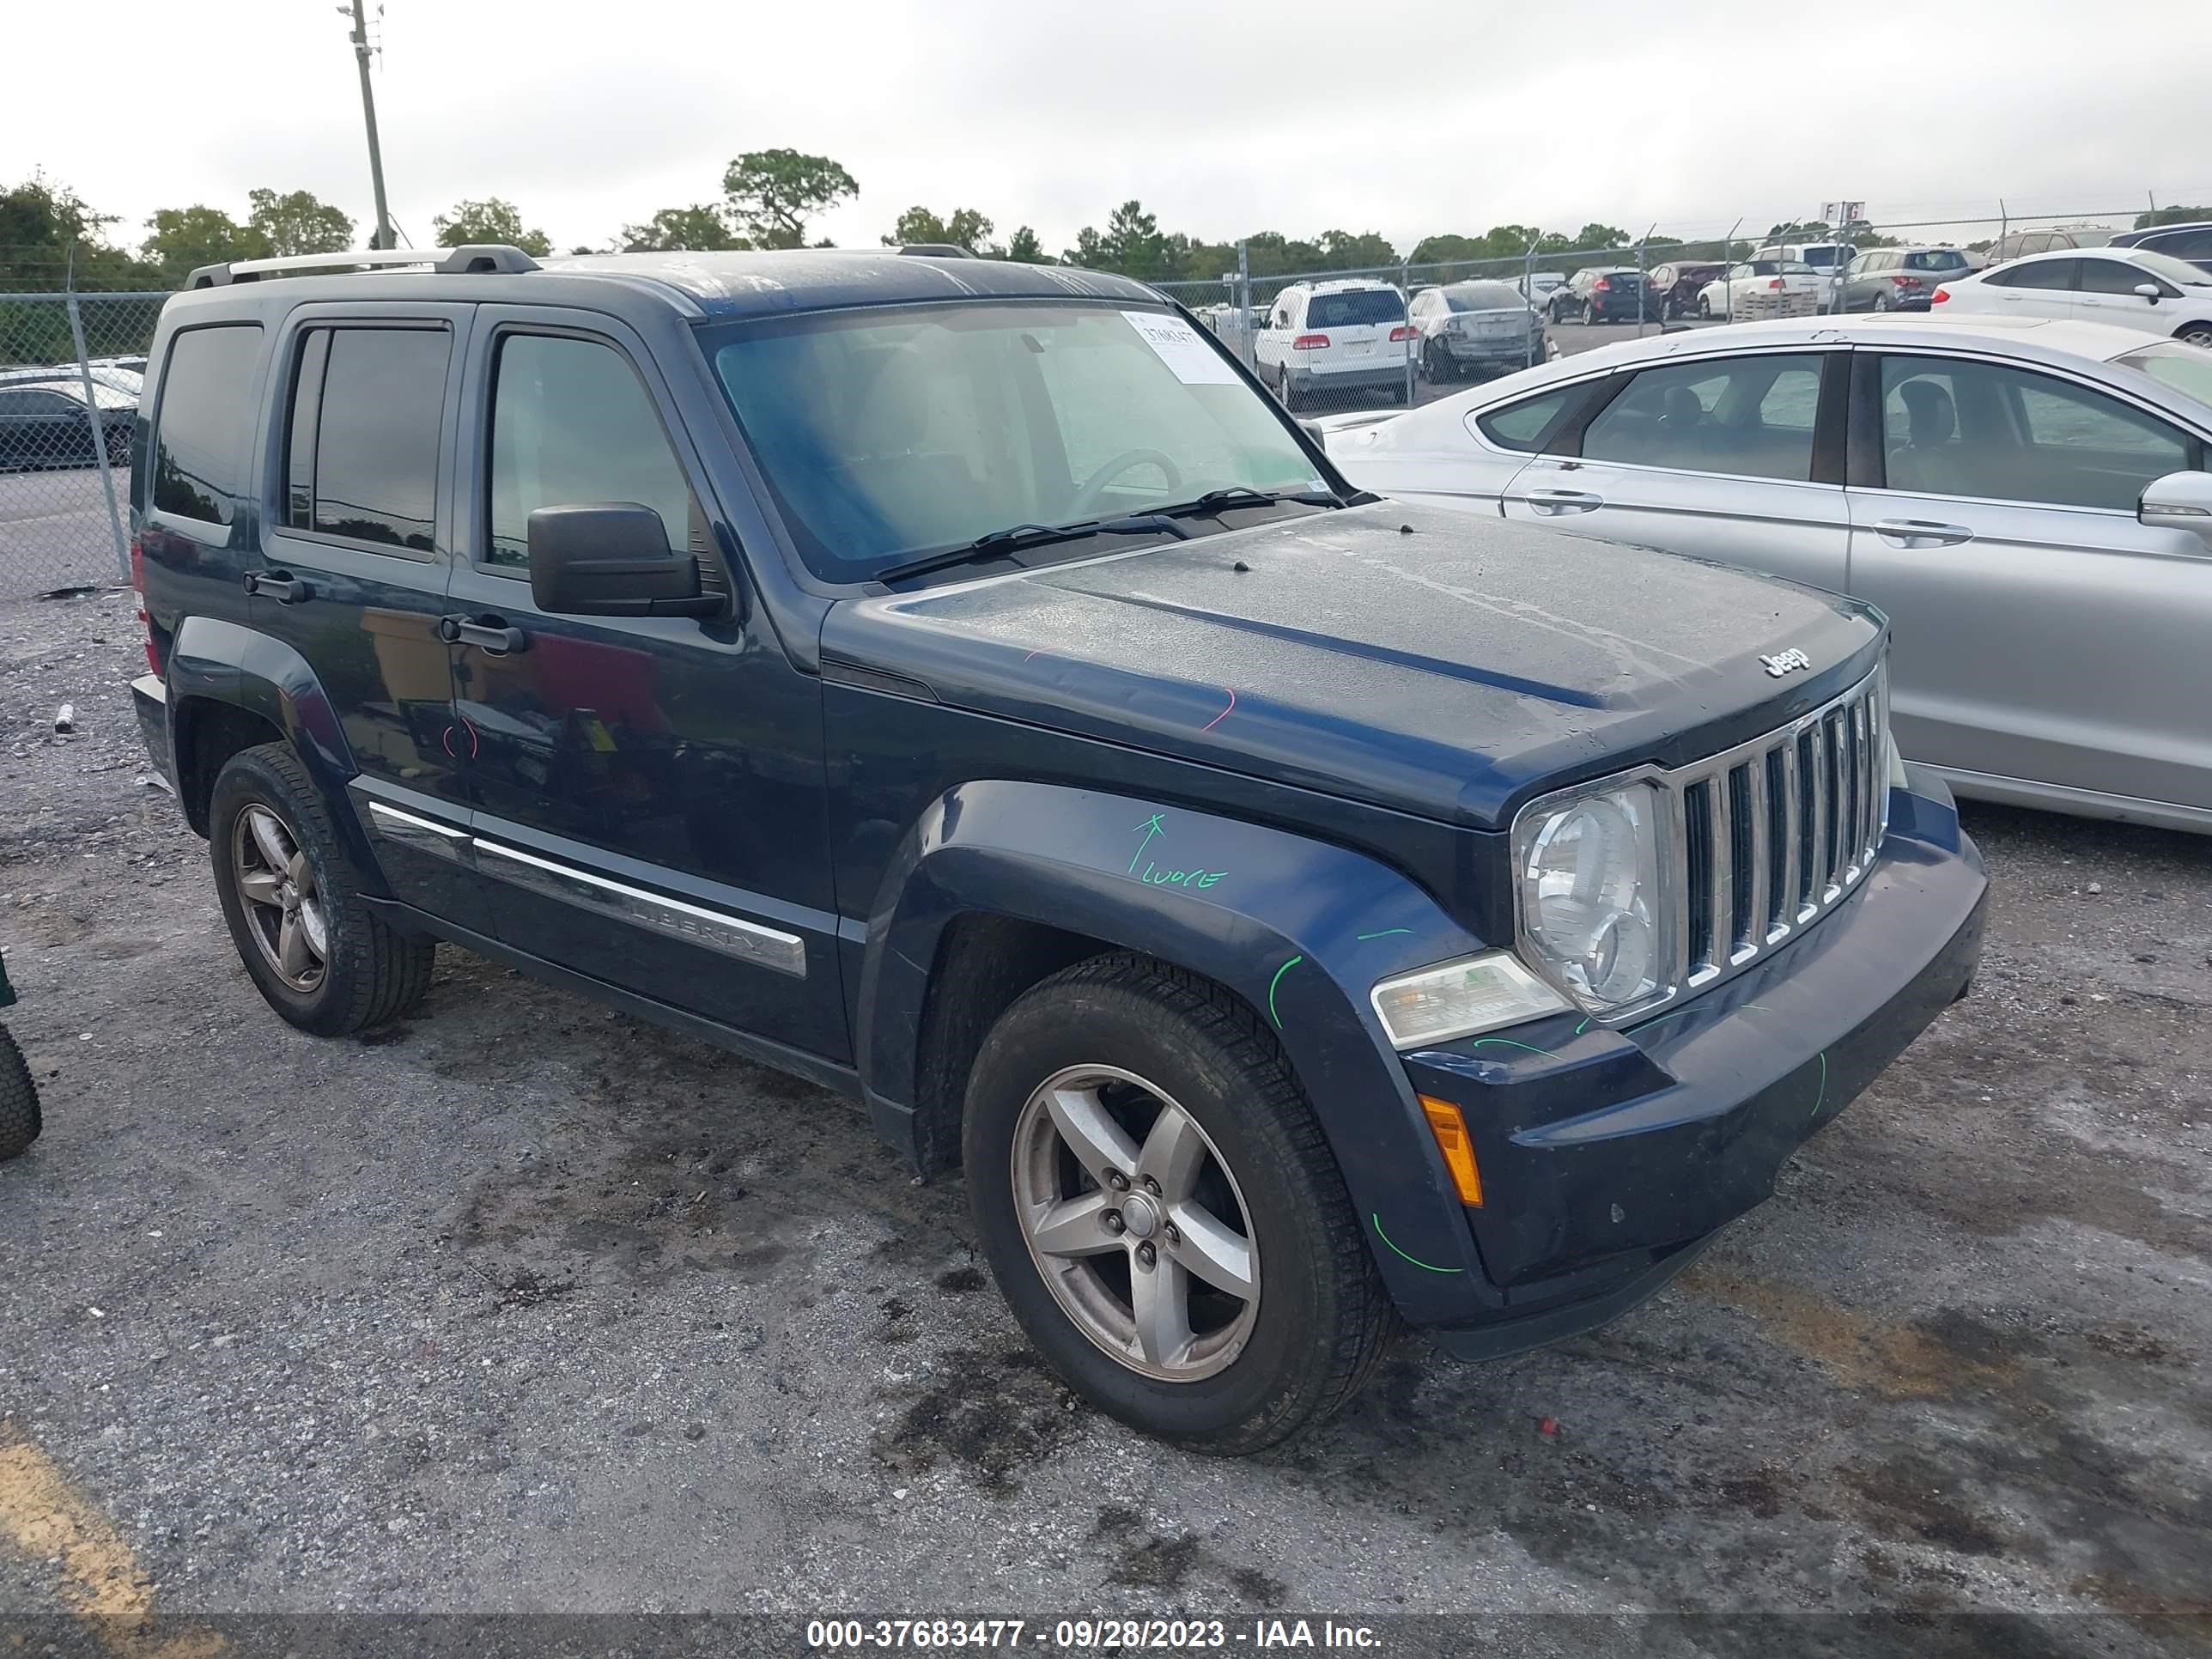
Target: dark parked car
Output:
{"points": [[1601, 293], [1901, 279], [2191, 242], [44, 423], [1674, 288], [1301, 914]]}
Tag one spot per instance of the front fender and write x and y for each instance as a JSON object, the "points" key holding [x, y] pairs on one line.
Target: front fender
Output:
{"points": [[213, 662], [1300, 929]]}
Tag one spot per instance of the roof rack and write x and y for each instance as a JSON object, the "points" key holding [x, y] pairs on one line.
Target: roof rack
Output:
{"points": [[448, 261]]}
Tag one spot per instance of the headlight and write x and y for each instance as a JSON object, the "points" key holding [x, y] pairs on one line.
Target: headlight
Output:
{"points": [[1592, 913], [1458, 999]]}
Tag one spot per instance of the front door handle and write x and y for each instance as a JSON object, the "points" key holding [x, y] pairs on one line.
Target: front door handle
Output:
{"points": [[280, 586], [1921, 533], [489, 635], [1564, 501]]}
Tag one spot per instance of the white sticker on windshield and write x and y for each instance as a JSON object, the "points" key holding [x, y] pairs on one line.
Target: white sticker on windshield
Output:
{"points": [[1195, 361]]}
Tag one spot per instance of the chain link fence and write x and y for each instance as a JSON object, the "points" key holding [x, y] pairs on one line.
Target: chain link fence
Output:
{"points": [[1380, 337], [72, 366]]}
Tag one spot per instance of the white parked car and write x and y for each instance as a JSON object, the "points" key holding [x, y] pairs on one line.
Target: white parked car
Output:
{"points": [[1537, 286], [2027, 499], [2129, 286], [1759, 289], [1337, 341]]}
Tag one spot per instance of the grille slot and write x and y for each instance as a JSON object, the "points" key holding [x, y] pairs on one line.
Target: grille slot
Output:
{"points": [[1772, 833]]}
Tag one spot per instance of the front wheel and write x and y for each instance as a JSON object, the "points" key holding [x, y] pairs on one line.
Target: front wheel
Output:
{"points": [[1162, 1211], [20, 1122]]}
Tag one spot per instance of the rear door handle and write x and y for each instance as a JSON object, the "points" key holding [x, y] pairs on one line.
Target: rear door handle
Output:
{"points": [[489, 635], [280, 586], [1922, 532], [1564, 501]]}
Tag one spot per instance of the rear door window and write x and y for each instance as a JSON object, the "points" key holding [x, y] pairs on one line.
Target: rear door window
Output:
{"points": [[383, 400], [1751, 416], [204, 424], [1518, 426]]}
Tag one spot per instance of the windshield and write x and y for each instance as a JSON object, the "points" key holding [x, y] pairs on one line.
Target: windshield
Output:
{"points": [[2166, 266], [1826, 253], [884, 433], [2186, 369], [1356, 307], [1483, 296]]}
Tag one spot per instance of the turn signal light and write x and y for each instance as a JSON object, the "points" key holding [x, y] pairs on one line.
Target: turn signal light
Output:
{"points": [[1450, 1128], [1401, 334]]}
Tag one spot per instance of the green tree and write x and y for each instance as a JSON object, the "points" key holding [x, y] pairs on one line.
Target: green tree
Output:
{"points": [[2171, 215], [1131, 243], [491, 219], [1024, 248], [961, 228], [699, 228], [1342, 250], [1595, 235], [49, 235], [772, 193], [297, 222], [180, 239]]}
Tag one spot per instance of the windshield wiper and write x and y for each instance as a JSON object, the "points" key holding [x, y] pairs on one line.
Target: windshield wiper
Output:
{"points": [[997, 543], [1244, 496]]}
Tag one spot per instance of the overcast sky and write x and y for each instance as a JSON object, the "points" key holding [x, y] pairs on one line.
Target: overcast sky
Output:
{"points": [[1298, 115]]}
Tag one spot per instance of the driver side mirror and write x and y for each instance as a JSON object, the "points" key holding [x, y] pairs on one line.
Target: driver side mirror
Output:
{"points": [[2179, 500], [612, 559], [2148, 290]]}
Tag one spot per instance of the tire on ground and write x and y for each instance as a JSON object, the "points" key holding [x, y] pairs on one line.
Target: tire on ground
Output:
{"points": [[373, 972], [1324, 1317], [20, 1122]]}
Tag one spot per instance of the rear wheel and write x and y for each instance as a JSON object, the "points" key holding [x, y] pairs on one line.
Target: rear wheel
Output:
{"points": [[292, 897], [1162, 1211], [20, 1122], [1282, 387], [1880, 300], [2196, 334]]}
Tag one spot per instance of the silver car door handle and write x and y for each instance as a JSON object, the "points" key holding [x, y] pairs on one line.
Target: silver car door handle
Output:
{"points": [[1564, 501], [1922, 532]]}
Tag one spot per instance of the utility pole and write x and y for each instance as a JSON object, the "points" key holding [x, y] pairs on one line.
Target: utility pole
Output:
{"points": [[382, 237]]}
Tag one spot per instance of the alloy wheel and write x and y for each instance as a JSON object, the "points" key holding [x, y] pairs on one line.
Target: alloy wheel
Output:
{"points": [[283, 903], [1135, 1223]]}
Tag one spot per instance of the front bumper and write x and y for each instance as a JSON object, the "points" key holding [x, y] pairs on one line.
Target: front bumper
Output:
{"points": [[1610, 1158]]}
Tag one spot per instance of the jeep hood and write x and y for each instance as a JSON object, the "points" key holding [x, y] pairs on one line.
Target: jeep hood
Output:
{"points": [[1420, 659]]}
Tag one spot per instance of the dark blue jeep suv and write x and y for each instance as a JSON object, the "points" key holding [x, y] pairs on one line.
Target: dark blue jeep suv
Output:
{"points": [[958, 682]]}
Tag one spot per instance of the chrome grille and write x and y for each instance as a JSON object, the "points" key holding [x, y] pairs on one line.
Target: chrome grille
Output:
{"points": [[1771, 835]]}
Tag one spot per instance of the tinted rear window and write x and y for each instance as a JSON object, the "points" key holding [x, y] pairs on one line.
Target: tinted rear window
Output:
{"points": [[206, 422], [376, 455], [1937, 259], [1352, 309], [1483, 296]]}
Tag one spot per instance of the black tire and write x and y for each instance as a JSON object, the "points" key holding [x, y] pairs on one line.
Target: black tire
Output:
{"points": [[1880, 300], [1282, 387], [20, 1122], [371, 972], [1321, 1319], [1433, 367], [1705, 308], [2196, 334]]}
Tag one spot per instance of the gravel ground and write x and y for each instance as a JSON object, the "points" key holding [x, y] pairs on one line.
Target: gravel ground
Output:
{"points": [[524, 1305]]}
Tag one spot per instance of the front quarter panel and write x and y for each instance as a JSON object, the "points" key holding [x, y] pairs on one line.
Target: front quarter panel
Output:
{"points": [[1299, 929]]}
